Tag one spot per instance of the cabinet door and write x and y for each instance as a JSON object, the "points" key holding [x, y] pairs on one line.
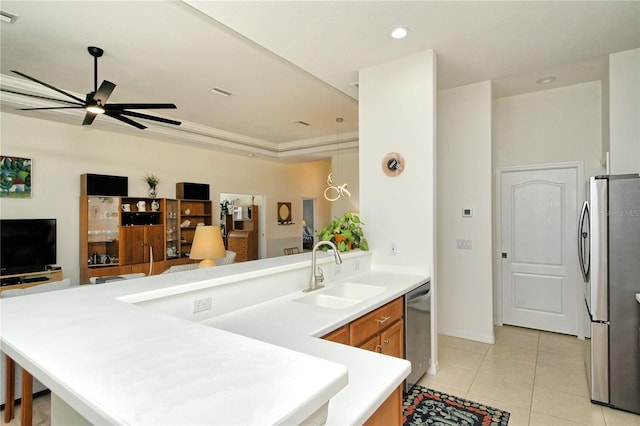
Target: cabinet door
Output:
{"points": [[132, 245], [372, 344], [340, 335], [154, 238], [391, 340]]}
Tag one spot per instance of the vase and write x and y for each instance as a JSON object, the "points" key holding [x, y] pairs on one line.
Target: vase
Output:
{"points": [[153, 192]]}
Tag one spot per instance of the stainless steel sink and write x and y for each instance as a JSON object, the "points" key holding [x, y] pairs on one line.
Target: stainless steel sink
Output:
{"points": [[341, 296]]}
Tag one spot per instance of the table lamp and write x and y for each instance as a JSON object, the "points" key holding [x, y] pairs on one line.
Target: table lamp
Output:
{"points": [[207, 244]]}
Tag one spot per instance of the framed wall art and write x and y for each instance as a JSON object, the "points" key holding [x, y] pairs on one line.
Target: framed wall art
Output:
{"points": [[15, 177]]}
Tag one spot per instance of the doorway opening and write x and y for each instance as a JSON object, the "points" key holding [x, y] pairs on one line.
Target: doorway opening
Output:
{"points": [[308, 223]]}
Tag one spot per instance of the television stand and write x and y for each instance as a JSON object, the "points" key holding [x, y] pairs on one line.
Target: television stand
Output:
{"points": [[29, 279]]}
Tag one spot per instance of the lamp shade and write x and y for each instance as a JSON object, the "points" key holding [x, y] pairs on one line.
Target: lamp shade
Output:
{"points": [[207, 244]]}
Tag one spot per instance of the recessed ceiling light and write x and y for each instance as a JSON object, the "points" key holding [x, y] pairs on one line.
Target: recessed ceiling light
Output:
{"points": [[546, 80], [7, 17], [399, 32], [221, 92]]}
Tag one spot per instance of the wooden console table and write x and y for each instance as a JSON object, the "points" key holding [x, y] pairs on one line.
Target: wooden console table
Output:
{"points": [[30, 279]]}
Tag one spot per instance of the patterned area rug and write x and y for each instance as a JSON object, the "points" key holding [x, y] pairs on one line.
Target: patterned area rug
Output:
{"points": [[423, 406]]}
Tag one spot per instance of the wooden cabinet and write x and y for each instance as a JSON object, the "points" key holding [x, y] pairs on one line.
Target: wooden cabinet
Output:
{"points": [[243, 239], [140, 242], [375, 322], [120, 235], [340, 335], [390, 412], [381, 330]]}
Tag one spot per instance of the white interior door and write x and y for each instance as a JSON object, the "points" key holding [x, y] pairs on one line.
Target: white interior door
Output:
{"points": [[539, 254]]}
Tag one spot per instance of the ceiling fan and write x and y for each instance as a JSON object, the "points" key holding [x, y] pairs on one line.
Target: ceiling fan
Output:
{"points": [[96, 101]]}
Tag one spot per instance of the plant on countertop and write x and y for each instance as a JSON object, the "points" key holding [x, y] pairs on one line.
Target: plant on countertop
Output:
{"points": [[345, 232]]}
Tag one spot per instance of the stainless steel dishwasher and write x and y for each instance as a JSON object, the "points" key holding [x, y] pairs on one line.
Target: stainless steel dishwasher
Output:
{"points": [[417, 332]]}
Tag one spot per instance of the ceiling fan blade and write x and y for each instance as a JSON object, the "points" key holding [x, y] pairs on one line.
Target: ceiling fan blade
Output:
{"points": [[43, 97], [104, 91], [88, 118], [35, 109], [117, 116], [49, 86], [116, 107], [150, 117]]}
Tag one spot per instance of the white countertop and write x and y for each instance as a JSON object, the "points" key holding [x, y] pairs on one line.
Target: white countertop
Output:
{"points": [[117, 362]]}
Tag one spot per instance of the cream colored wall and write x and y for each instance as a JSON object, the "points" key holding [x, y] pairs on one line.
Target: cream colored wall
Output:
{"points": [[62, 152], [550, 126], [346, 170], [465, 281], [624, 109]]}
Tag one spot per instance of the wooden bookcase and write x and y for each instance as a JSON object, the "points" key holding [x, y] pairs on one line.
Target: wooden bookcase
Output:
{"points": [[190, 214]]}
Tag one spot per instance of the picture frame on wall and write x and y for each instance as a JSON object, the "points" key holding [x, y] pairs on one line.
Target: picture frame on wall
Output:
{"points": [[15, 177]]}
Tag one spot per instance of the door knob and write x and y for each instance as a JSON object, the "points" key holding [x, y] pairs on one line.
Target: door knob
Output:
{"points": [[504, 255]]}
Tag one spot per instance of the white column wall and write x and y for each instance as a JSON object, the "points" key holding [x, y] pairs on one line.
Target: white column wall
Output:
{"points": [[397, 114], [465, 277]]}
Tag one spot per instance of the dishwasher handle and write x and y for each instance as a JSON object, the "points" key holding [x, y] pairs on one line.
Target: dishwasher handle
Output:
{"points": [[419, 298]]}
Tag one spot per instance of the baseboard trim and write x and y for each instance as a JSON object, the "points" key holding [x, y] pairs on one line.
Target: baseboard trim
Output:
{"points": [[490, 339]]}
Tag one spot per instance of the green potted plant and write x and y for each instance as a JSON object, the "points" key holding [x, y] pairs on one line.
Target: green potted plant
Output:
{"points": [[153, 182], [345, 232]]}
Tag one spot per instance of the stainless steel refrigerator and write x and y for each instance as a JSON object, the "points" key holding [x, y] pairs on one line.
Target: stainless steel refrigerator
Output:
{"points": [[609, 252]]}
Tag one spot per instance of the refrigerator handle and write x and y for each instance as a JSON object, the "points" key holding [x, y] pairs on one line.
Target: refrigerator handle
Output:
{"points": [[582, 236]]}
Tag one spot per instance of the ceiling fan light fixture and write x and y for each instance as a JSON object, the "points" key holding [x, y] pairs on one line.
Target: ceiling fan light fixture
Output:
{"points": [[96, 108]]}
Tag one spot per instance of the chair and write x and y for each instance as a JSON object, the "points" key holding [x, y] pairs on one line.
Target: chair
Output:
{"points": [[291, 250]]}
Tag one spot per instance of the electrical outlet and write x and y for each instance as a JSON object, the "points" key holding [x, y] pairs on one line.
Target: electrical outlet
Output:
{"points": [[203, 304], [464, 244], [356, 265], [337, 269], [393, 249]]}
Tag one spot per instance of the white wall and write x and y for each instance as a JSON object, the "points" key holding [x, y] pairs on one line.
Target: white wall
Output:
{"points": [[62, 152], [624, 109], [397, 114], [465, 281], [550, 126]]}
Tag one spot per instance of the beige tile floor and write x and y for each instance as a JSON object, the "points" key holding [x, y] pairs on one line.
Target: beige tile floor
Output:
{"points": [[539, 377]]}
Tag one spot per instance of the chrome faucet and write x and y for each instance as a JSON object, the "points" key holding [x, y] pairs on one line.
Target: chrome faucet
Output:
{"points": [[319, 277]]}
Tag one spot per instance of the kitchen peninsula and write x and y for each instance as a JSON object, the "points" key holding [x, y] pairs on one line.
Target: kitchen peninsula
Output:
{"points": [[135, 352]]}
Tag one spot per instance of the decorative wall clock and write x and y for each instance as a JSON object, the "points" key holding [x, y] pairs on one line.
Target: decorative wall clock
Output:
{"points": [[393, 164]]}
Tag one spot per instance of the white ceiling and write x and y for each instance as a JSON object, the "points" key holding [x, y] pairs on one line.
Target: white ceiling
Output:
{"points": [[286, 61]]}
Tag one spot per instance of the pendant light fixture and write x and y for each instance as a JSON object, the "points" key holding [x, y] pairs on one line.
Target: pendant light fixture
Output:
{"points": [[333, 193]]}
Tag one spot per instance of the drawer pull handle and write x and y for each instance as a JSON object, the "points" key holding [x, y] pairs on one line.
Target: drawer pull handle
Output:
{"points": [[386, 342], [383, 320], [379, 347]]}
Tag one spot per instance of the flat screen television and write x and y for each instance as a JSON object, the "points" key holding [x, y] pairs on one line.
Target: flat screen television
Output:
{"points": [[27, 245]]}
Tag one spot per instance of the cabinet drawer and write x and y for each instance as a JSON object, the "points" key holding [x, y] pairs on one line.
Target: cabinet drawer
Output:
{"points": [[370, 324]]}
